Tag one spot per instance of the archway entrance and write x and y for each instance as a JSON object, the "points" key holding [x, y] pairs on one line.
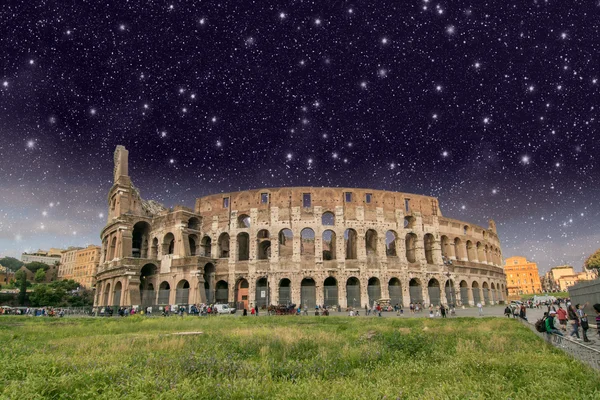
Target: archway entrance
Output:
{"points": [[285, 296], [330, 292], [308, 293], [182, 294], [450, 295], [147, 293], [415, 290], [373, 290], [395, 290], [464, 292], [486, 293], [209, 283], [222, 292], [117, 295], [353, 292], [433, 289], [164, 291], [241, 294], [476, 293], [262, 297]]}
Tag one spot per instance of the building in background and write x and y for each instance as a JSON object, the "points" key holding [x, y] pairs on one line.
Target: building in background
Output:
{"points": [[6, 275], [563, 276], [67, 263], [86, 264], [522, 276], [49, 257]]}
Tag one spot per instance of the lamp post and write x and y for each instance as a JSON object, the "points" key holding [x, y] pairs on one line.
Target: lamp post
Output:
{"points": [[448, 262]]}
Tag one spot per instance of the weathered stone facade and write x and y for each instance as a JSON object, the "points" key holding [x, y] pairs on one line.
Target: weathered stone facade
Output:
{"points": [[302, 245]]}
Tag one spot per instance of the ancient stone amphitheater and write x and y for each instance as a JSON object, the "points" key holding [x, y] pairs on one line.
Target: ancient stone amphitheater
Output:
{"points": [[302, 245]]}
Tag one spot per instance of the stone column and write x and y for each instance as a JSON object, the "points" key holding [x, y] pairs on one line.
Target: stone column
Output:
{"points": [[126, 243], [132, 291], [319, 298], [342, 297], [364, 294], [471, 299]]}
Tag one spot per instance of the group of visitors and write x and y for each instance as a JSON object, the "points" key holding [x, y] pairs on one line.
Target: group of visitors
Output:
{"points": [[575, 316]]}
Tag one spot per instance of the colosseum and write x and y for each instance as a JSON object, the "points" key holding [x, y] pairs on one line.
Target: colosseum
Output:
{"points": [[312, 246]]}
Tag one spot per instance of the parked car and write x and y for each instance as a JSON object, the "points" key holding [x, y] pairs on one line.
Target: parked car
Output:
{"points": [[224, 309], [516, 302]]}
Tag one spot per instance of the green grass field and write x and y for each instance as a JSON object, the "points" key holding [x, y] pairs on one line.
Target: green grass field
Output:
{"points": [[284, 358]]}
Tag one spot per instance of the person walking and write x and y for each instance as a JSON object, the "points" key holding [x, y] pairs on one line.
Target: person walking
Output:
{"points": [[572, 313], [583, 322], [443, 311], [561, 314], [507, 311], [480, 308]]}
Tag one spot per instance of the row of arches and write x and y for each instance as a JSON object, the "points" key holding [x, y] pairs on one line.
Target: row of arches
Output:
{"points": [[469, 251]]}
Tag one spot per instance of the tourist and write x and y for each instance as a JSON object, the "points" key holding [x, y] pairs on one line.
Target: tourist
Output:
{"points": [[507, 311], [597, 309], [412, 308], [523, 312], [443, 311], [574, 318], [562, 318], [550, 324], [430, 312], [480, 308], [583, 322]]}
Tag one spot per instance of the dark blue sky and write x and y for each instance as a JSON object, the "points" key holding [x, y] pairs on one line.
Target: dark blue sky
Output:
{"points": [[490, 106]]}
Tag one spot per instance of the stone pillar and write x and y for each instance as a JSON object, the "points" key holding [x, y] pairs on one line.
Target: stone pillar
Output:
{"points": [[342, 297], [385, 288], [126, 243], [481, 297], [405, 293], [251, 291], [132, 291], [319, 290], [273, 289], [471, 299], [231, 283], [364, 294], [425, 291], [437, 251]]}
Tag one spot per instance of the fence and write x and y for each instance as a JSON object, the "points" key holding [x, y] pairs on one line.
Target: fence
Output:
{"points": [[584, 292], [579, 351]]}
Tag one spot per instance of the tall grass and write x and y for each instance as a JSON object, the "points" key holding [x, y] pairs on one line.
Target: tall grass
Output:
{"points": [[284, 357]]}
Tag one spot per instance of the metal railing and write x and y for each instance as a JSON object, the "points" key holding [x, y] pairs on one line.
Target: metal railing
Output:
{"points": [[579, 351]]}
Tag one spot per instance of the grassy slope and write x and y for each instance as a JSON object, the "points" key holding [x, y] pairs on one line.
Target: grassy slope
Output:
{"points": [[284, 357]]}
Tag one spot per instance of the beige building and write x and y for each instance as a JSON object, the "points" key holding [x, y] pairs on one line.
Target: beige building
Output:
{"points": [[561, 277], [47, 257], [86, 265], [67, 263], [522, 276], [302, 245]]}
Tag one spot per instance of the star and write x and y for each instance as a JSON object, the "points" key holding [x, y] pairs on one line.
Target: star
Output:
{"points": [[282, 15], [445, 153], [202, 21], [30, 144], [5, 84], [525, 159], [450, 29], [317, 21], [384, 40], [438, 88], [93, 111]]}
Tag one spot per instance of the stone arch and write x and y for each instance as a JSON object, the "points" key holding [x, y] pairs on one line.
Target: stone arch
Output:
{"points": [[209, 282], [486, 293], [263, 245], [494, 294], [154, 249], [371, 242], [350, 238], [476, 292], [329, 245], [182, 294], [222, 292], [373, 290], [285, 292], [117, 294], [415, 290], [353, 292], [243, 244], [471, 252], [411, 246], [330, 292], [308, 293], [428, 242], [242, 294], [113, 249], [450, 292], [193, 242], [307, 242], [194, 223], [391, 243], [164, 293], [459, 249], [286, 243], [464, 292], [395, 291], [243, 221], [147, 293], [466, 230], [486, 253], [223, 245], [447, 250], [433, 289], [409, 222], [328, 218], [140, 237], [206, 244], [168, 244], [262, 296], [480, 252], [106, 294]]}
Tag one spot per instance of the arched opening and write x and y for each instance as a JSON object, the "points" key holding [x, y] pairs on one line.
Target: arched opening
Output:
{"points": [[428, 241], [493, 294], [183, 292], [222, 292], [206, 244], [486, 253], [262, 293], [193, 240], [395, 291], [243, 221], [445, 247], [139, 240], [328, 219], [106, 294], [154, 250], [350, 238], [459, 249], [263, 245], [241, 294], [223, 245], [486, 293], [466, 230], [243, 243], [480, 252], [476, 293], [433, 289], [285, 293], [105, 250], [373, 290], [409, 222], [353, 292], [286, 243], [329, 245], [209, 282], [117, 294], [371, 242], [390, 244], [168, 244], [450, 292], [330, 292], [415, 290], [147, 293], [411, 247], [471, 255], [194, 223], [164, 292], [113, 247], [307, 242], [308, 293], [464, 292]]}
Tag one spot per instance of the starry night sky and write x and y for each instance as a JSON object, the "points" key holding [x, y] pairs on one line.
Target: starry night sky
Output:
{"points": [[490, 106]]}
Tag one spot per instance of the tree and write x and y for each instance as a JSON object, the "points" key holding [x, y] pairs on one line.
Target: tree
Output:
{"points": [[593, 261], [40, 275], [21, 278], [11, 263], [34, 266]]}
